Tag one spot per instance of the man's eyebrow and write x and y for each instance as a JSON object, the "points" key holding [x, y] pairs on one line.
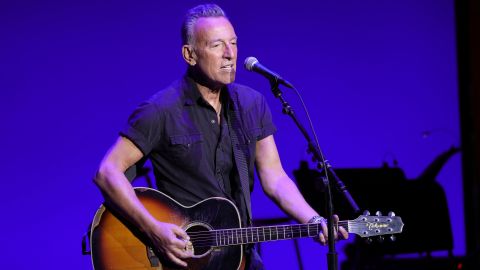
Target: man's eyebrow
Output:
{"points": [[221, 40]]}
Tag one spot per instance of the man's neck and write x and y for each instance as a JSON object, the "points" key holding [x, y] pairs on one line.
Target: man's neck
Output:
{"points": [[212, 97], [210, 93]]}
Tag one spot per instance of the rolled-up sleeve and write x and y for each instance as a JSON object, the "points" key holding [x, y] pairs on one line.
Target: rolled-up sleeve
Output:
{"points": [[144, 127]]}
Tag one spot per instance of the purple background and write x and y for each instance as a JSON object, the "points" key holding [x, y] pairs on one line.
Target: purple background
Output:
{"points": [[374, 75]]}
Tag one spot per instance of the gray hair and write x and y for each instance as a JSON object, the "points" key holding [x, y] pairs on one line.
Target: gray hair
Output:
{"points": [[191, 17]]}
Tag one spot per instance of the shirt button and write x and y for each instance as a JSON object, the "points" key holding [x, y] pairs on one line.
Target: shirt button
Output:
{"points": [[213, 121]]}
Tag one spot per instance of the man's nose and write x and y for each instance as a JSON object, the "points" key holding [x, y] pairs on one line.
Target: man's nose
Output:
{"points": [[229, 51]]}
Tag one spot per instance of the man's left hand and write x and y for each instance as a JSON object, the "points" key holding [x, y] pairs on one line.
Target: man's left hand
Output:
{"points": [[323, 236]]}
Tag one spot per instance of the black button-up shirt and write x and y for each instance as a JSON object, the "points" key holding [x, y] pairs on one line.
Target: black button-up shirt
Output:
{"points": [[190, 151]]}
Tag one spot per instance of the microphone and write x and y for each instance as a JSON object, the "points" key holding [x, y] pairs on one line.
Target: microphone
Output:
{"points": [[252, 64]]}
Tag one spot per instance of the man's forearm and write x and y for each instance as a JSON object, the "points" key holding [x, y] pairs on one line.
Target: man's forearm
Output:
{"points": [[287, 196], [119, 194]]}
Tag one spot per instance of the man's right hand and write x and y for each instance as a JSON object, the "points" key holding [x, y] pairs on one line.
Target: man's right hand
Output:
{"points": [[170, 241]]}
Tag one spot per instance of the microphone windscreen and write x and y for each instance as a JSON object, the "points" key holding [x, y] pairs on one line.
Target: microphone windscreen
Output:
{"points": [[250, 62]]}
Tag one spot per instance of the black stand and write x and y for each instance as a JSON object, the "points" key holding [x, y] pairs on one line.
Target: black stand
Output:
{"points": [[322, 164]]}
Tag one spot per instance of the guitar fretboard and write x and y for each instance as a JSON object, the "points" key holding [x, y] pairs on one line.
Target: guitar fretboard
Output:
{"points": [[250, 235]]}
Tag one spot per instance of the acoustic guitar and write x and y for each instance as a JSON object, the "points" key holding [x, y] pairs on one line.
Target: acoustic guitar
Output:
{"points": [[214, 228]]}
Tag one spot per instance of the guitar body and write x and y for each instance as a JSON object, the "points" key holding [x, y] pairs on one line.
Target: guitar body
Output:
{"points": [[117, 245]]}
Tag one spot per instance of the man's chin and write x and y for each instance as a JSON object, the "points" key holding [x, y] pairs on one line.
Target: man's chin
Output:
{"points": [[230, 78]]}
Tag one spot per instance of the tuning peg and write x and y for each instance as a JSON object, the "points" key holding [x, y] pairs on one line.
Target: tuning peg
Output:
{"points": [[366, 213], [393, 238], [391, 214], [378, 213], [368, 240], [381, 239]]}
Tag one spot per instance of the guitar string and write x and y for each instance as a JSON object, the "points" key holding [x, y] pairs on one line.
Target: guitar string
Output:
{"points": [[249, 232], [294, 226], [227, 236], [212, 241], [228, 240], [259, 231]]}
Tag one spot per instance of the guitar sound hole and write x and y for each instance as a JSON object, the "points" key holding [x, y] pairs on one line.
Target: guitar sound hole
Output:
{"points": [[201, 238]]}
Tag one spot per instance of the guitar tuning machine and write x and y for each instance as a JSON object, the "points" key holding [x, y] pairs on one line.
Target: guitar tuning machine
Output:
{"points": [[378, 214], [391, 214], [368, 240], [366, 213], [393, 238]]}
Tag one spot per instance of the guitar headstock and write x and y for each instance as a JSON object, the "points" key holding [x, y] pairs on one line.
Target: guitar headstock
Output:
{"points": [[367, 226]]}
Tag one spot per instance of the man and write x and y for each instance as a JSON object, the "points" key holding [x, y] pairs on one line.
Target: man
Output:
{"points": [[203, 135]]}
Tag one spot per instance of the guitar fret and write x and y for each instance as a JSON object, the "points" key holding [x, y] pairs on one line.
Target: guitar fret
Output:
{"points": [[288, 235], [315, 226], [223, 237], [219, 235]]}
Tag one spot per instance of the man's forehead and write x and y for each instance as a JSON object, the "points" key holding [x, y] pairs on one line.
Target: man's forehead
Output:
{"points": [[214, 28]]}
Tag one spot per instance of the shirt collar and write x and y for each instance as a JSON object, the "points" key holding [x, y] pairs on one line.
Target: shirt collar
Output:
{"points": [[192, 95]]}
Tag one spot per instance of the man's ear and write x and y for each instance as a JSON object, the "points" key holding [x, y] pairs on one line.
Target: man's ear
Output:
{"points": [[189, 55]]}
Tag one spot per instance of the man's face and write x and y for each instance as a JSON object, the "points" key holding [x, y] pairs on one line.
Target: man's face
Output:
{"points": [[215, 45]]}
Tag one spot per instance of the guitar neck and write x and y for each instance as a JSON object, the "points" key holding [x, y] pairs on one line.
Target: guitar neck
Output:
{"points": [[252, 235]]}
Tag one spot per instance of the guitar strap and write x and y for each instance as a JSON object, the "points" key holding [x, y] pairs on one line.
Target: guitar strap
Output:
{"points": [[240, 153]]}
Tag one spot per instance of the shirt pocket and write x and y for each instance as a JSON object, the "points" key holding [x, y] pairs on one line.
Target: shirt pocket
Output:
{"points": [[186, 148]]}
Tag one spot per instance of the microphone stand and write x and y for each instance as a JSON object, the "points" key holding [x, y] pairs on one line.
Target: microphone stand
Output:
{"points": [[322, 164]]}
